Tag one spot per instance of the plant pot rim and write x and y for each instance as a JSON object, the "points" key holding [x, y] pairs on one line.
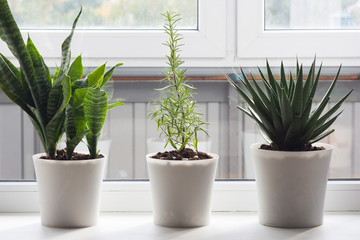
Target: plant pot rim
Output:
{"points": [[328, 147], [213, 155], [38, 155]]}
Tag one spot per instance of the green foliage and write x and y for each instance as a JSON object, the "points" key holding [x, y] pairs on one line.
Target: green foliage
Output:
{"points": [[87, 109], [283, 111], [45, 99], [31, 87], [176, 115]]}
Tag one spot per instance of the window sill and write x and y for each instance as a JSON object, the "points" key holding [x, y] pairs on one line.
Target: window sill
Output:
{"points": [[135, 196], [140, 226]]}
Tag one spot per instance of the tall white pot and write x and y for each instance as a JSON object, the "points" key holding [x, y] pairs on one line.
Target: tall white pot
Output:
{"points": [[291, 186], [69, 191], [182, 191]]}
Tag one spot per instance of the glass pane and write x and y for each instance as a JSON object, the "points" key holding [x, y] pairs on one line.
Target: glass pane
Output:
{"points": [[102, 14], [313, 15], [128, 135]]}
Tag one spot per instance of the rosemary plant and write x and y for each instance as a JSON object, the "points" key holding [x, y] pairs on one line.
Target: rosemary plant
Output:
{"points": [[176, 115], [282, 110]]}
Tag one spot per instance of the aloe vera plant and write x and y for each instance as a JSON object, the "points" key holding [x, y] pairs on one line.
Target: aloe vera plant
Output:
{"points": [[282, 109], [45, 99]]}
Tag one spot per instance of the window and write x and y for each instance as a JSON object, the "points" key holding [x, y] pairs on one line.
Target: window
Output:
{"points": [[102, 15], [219, 36], [204, 37], [301, 15], [264, 33]]}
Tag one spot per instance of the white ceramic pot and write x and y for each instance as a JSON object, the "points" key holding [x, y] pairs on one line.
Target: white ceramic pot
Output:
{"points": [[291, 186], [69, 191], [182, 191]]}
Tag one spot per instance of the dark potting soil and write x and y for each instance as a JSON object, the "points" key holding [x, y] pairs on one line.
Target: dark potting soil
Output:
{"points": [[185, 153], [61, 155], [298, 149]]}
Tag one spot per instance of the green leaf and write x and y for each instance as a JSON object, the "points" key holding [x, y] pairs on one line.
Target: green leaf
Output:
{"points": [[96, 77], [10, 34], [308, 83], [332, 110], [293, 132], [66, 50], [273, 83], [287, 114], [41, 74], [283, 83], [95, 108], [54, 129], [108, 74], [321, 136], [112, 105], [297, 102], [324, 126], [11, 67], [78, 97], [76, 69], [72, 143], [241, 92], [12, 87]]}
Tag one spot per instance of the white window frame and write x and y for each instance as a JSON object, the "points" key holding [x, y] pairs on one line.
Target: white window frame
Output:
{"points": [[139, 48], [255, 44]]}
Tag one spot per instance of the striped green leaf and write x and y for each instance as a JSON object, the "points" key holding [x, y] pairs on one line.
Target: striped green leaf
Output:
{"points": [[95, 108]]}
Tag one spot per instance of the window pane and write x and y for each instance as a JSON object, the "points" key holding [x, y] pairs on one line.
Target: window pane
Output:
{"points": [[128, 135], [102, 14], [310, 14]]}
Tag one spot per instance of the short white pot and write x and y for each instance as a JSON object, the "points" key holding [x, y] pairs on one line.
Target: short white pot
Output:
{"points": [[182, 191], [69, 191], [291, 186]]}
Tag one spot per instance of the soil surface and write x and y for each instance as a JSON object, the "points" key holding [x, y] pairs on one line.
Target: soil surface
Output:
{"points": [[298, 149], [185, 153], [61, 155]]}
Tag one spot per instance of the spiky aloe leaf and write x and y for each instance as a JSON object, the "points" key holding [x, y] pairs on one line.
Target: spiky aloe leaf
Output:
{"points": [[284, 115]]}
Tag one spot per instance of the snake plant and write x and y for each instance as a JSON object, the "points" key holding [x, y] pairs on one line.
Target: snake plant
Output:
{"points": [[45, 99], [282, 108], [88, 106]]}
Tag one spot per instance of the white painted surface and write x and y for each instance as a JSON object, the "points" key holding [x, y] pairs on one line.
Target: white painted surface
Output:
{"points": [[136, 196], [139, 226]]}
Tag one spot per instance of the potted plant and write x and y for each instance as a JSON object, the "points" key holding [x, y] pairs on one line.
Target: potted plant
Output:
{"points": [[69, 183], [291, 170], [181, 179]]}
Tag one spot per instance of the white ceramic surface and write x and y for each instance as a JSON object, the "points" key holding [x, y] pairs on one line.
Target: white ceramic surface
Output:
{"points": [[291, 186], [69, 191], [182, 191]]}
